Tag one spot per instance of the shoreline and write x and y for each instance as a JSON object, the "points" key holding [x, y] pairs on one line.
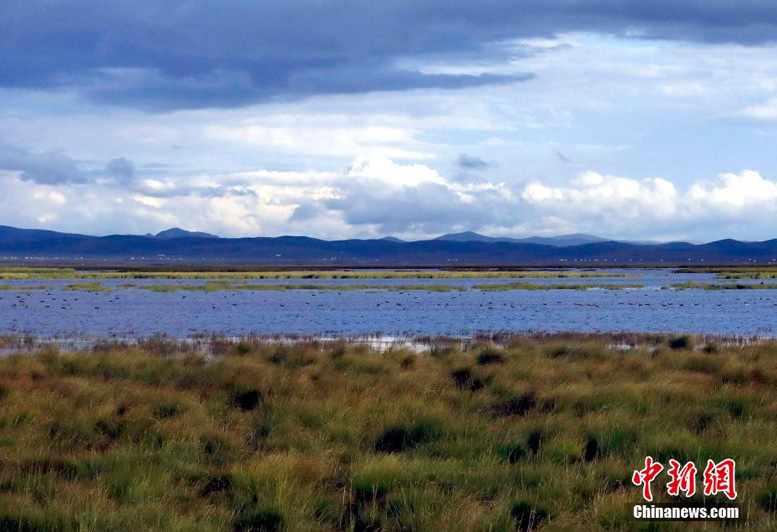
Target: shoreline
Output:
{"points": [[213, 343]]}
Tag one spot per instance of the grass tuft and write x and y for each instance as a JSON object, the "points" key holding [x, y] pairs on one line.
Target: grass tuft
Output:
{"points": [[247, 400], [490, 355], [682, 342], [265, 521], [400, 439], [465, 380], [515, 406], [528, 517]]}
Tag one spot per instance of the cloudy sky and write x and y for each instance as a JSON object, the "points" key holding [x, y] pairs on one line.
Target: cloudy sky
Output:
{"points": [[358, 118]]}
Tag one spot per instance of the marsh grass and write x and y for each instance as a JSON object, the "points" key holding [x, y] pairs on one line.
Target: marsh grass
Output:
{"points": [[500, 287], [541, 433], [23, 288], [216, 286], [771, 274], [233, 285], [729, 272], [68, 273], [87, 287], [21, 272], [690, 285]]}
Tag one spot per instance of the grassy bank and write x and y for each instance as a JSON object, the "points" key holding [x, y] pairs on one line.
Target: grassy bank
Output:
{"points": [[22, 288], [772, 274], [212, 286], [690, 285], [69, 273], [230, 285], [217, 286], [502, 287], [734, 272], [541, 433]]}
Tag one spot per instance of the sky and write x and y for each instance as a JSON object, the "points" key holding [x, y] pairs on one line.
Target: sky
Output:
{"points": [[360, 119]]}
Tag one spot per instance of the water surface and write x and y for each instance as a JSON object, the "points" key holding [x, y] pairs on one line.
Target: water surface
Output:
{"points": [[136, 312]]}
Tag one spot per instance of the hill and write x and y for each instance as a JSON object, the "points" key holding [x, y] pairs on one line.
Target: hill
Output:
{"points": [[575, 239], [177, 232]]}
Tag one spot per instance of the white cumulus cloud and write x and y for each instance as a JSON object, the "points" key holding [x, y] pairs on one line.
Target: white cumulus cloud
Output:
{"points": [[595, 193], [386, 170], [375, 196], [735, 193]]}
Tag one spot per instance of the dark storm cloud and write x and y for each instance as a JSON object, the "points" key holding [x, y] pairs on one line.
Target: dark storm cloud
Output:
{"points": [[470, 162], [43, 168], [122, 169], [153, 92], [307, 211], [468, 168], [425, 207], [170, 54]]}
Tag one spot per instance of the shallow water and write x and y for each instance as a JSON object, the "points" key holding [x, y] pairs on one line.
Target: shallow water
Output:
{"points": [[135, 312]]}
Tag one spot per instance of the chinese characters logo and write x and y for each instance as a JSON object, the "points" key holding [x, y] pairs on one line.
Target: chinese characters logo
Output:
{"points": [[717, 478]]}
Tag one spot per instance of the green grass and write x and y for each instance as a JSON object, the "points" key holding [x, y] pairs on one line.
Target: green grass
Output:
{"points": [[87, 287], [690, 285], [733, 272], [23, 270], [216, 286], [322, 436], [500, 287], [230, 285], [748, 275], [65, 273], [22, 288]]}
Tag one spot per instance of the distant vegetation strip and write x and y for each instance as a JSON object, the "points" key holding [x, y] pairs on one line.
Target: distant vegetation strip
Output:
{"points": [[68, 273], [225, 285], [527, 435], [561, 286], [724, 271], [689, 285], [23, 270], [215, 286], [748, 275], [88, 287], [22, 288]]}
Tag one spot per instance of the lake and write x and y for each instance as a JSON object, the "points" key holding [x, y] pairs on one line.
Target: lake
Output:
{"points": [[134, 312]]}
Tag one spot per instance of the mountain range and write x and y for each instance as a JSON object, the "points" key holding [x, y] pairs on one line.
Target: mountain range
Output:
{"points": [[575, 239], [177, 232], [459, 249]]}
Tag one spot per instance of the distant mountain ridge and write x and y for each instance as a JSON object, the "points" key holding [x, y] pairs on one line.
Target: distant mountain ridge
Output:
{"points": [[177, 232], [35, 246], [575, 239]]}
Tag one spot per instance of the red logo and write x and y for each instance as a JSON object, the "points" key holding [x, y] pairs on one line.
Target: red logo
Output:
{"points": [[683, 479], [645, 476], [717, 477]]}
